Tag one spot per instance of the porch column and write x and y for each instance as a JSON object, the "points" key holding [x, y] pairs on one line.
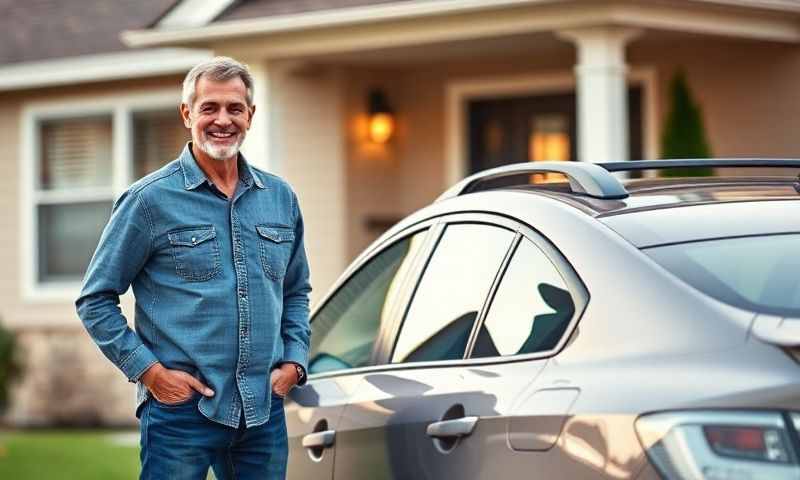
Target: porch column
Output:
{"points": [[257, 145], [601, 91]]}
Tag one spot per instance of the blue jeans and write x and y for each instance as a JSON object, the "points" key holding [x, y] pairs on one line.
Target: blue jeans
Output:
{"points": [[179, 443]]}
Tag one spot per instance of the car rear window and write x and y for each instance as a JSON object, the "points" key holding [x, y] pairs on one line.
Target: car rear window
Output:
{"points": [[757, 273]]}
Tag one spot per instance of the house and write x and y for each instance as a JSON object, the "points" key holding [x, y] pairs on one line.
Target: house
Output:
{"points": [[470, 84]]}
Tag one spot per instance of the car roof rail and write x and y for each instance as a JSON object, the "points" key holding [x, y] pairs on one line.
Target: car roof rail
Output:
{"points": [[586, 178], [711, 162], [596, 179]]}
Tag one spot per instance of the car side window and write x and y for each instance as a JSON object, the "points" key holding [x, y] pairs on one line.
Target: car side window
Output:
{"points": [[345, 328], [450, 294], [531, 309]]}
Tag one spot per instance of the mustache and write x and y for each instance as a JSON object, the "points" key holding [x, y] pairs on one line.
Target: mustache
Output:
{"points": [[222, 130]]}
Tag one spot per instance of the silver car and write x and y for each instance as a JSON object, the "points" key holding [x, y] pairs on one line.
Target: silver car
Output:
{"points": [[592, 328]]}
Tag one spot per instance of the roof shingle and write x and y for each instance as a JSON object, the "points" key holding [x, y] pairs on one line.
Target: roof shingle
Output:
{"points": [[33, 30], [268, 8]]}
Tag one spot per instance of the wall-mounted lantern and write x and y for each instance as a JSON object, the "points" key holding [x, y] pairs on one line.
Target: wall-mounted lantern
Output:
{"points": [[381, 117]]}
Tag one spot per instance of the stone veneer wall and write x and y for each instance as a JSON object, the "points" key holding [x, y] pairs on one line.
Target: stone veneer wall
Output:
{"points": [[68, 382]]}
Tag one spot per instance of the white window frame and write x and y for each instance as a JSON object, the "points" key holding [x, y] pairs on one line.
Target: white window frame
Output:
{"points": [[459, 92], [121, 108]]}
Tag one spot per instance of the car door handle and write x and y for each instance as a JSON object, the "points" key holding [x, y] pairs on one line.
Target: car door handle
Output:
{"points": [[459, 427], [320, 439]]}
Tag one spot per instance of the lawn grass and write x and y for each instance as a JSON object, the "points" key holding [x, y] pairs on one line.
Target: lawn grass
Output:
{"points": [[67, 454]]}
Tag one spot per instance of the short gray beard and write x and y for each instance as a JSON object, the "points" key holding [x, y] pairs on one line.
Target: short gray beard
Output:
{"points": [[221, 153]]}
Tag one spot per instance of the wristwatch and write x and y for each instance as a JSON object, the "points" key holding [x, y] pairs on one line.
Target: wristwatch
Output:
{"points": [[301, 373]]}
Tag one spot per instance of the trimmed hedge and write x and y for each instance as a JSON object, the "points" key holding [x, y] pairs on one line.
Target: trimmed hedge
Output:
{"points": [[10, 367]]}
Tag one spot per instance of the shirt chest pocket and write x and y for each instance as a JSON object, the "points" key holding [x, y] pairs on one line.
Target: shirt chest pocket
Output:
{"points": [[275, 245], [196, 252]]}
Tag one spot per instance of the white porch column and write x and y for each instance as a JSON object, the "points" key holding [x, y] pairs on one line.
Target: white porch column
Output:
{"points": [[601, 92], [257, 145]]}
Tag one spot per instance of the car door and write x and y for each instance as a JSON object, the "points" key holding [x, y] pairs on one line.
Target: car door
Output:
{"points": [[533, 313], [346, 332], [434, 412]]}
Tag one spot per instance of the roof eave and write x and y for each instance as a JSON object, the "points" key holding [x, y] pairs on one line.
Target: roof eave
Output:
{"points": [[312, 20], [102, 67], [722, 17]]}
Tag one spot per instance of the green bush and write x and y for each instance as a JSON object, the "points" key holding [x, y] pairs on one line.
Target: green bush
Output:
{"points": [[684, 133], [9, 365]]}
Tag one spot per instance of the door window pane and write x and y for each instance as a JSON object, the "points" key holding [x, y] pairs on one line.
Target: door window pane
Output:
{"points": [[75, 153], [531, 309], [158, 138], [346, 327], [535, 127], [549, 138], [452, 290], [68, 235]]}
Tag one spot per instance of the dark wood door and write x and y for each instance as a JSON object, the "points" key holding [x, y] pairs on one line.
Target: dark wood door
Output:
{"points": [[542, 127]]}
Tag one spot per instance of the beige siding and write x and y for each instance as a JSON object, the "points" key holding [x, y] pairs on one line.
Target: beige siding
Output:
{"points": [[10, 288], [374, 171], [307, 147]]}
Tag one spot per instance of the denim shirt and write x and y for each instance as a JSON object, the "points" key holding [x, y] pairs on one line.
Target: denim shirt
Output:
{"points": [[221, 285]]}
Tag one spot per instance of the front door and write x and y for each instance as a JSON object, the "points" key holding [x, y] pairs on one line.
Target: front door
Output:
{"points": [[535, 128]]}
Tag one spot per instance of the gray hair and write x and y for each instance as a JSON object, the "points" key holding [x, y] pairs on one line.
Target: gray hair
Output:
{"points": [[218, 69]]}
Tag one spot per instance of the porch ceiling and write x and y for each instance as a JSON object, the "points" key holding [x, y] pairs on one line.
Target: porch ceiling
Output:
{"points": [[526, 45], [529, 47]]}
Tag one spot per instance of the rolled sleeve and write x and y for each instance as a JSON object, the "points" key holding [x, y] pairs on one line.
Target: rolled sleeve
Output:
{"points": [[137, 363]]}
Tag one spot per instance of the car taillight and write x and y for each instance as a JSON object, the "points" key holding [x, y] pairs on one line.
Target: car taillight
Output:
{"points": [[717, 445], [750, 443]]}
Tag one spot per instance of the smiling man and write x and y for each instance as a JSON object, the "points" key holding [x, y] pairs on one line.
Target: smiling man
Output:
{"points": [[213, 249]]}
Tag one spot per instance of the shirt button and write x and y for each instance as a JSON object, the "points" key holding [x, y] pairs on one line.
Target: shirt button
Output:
{"points": [[194, 240]]}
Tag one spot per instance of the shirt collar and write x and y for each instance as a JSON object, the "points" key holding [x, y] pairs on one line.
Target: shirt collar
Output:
{"points": [[193, 175]]}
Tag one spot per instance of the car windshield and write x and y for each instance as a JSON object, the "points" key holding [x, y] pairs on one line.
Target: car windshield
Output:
{"points": [[757, 273]]}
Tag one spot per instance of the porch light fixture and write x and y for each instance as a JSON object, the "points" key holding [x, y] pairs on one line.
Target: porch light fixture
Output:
{"points": [[381, 117]]}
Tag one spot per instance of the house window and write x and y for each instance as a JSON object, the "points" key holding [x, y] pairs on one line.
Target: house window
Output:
{"points": [[74, 194], [68, 233], [82, 163]]}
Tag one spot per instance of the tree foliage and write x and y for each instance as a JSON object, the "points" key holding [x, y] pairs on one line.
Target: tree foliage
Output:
{"points": [[684, 132]]}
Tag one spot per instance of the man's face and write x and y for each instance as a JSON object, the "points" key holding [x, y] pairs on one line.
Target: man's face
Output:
{"points": [[219, 117]]}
